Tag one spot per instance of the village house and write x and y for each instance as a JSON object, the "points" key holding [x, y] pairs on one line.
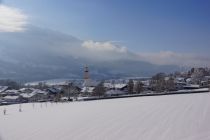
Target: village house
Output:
{"points": [[10, 93], [3, 88], [35, 95], [114, 92], [13, 99], [113, 89], [86, 91]]}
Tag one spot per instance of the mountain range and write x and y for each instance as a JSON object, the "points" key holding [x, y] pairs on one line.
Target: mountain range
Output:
{"points": [[41, 54]]}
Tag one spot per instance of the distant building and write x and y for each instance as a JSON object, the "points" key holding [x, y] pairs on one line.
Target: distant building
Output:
{"points": [[13, 99], [87, 81], [87, 90], [35, 95], [3, 88], [88, 85], [10, 93], [115, 93]]}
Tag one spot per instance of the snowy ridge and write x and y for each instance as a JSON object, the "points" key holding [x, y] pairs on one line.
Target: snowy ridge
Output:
{"points": [[178, 117]]}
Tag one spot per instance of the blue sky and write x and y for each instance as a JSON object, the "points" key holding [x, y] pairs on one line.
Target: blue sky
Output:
{"points": [[179, 26]]}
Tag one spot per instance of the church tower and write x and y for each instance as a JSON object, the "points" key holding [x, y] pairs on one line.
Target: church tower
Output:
{"points": [[86, 77], [86, 73]]}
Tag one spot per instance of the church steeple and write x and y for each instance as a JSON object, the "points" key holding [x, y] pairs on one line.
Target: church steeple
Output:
{"points": [[86, 73], [86, 77]]}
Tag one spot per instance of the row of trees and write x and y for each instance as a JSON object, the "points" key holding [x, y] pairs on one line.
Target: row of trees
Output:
{"points": [[99, 90], [132, 88], [160, 83], [10, 83], [135, 88]]}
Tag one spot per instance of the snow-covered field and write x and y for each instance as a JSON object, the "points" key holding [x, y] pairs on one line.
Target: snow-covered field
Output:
{"points": [[175, 117]]}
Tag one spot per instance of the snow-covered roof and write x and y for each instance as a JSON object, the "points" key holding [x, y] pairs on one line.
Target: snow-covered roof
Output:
{"points": [[26, 89], [3, 93], [180, 79], [87, 89], [108, 85], [11, 97], [38, 91], [119, 86], [12, 91], [54, 89], [188, 80], [27, 95], [64, 98], [3, 88]]}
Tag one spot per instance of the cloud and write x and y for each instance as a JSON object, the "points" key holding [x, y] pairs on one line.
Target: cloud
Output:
{"points": [[106, 51], [12, 19], [173, 58], [38, 42], [104, 46]]}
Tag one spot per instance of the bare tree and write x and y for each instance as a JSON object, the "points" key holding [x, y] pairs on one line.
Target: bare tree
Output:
{"points": [[130, 86], [42, 85], [158, 83], [10, 83], [70, 90], [99, 90], [139, 87], [170, 85]]}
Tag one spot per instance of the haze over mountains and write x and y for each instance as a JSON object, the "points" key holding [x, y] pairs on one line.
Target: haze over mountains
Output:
{"points": [[41, 54], [36, 41]]}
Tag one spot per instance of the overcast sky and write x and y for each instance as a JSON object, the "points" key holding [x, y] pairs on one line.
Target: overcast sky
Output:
{"points": [[161, 32]]}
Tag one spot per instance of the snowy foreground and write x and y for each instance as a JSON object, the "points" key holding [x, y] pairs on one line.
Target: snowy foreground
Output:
{"points": [[174, 117]]}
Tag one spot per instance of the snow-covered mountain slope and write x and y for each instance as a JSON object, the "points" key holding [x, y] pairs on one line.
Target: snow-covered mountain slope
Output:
{"points": [[42, 54], [177, 117]]}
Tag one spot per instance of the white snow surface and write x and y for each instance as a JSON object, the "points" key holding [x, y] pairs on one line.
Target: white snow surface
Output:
{"points": [[173, 117]]}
